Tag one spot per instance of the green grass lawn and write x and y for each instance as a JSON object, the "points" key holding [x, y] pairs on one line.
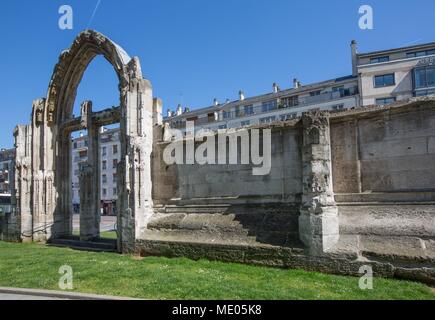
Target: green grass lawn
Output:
{"points": [[36, 266]]}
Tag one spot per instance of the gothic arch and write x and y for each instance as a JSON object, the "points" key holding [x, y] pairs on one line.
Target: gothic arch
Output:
{"points": [[72, 64]]}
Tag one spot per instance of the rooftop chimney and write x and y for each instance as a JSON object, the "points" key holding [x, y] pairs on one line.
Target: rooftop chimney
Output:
{"points": [[227, 100], [354, 52], [186, 109], [241, 95], [215, 102], [179, 110], [169, 113], [296, 83], [275, 87]]}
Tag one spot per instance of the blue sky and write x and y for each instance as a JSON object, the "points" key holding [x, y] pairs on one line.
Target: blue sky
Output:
{"points": [[193, 51]]}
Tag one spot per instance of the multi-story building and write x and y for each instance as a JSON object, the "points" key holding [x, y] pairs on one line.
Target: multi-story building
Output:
{"points": [[395, 74], [335, 94], [380, 77], [7, 163], [109, 157]]}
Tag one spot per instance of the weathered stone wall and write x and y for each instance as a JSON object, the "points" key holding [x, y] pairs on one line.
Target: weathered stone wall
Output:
{"points": [[384, 181], [227, 203], [378, 163], [386, 150], [235, 182]]}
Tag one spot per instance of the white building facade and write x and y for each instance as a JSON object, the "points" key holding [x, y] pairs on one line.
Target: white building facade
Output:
{"points": [[109, 157], [396, 74]]}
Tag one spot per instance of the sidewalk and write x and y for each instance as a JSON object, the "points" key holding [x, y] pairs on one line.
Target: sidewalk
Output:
{"points": [[35, 294]]}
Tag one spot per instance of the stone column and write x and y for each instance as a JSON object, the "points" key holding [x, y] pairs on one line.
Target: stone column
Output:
{"points": [[21, 196], [135, 205], [318, 220], [89, 225], [89, 180]]}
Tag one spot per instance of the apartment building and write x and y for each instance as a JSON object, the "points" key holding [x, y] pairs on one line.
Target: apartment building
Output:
{"points": [[279, 105], [7, 164], [395, 74], [109, 157], [378, 78]]}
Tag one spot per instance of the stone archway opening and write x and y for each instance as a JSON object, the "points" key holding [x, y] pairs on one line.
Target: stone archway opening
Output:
{"points": [[94, 156], [99, 85]]}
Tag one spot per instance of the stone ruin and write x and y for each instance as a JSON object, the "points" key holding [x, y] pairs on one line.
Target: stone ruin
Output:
{"points": [[345, 190]]}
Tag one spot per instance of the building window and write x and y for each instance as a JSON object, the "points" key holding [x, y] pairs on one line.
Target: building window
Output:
{"points": [[420, 53], [104, 192], [227, 114], [211, 117], [104, 165], [338, 107], [291, 101], [315, 93], [237, 112], [115, 163], [380, 59], [287, 116], [424, 77], [104, 178], [114, 178], [384, 80], [222, 126], [115, 149], [114, 191], [104, 151], [75, 145], [421, 93], [267, 119], [83, 153], [268, 106], [245, 123], [385, 101], [248, 110]]}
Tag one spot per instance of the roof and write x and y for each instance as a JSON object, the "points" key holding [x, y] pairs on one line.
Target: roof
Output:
{"points": [[264, 97], [389, 51]]}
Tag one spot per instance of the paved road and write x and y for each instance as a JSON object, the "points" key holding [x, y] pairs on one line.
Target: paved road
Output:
{"points": [[36, 294], [10, 296], [107, 223]]}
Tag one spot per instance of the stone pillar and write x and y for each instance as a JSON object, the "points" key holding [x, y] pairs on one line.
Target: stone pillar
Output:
{"points": [[89, 180], [135, 184], [157, 112], [21, 196], [318, 220], [89, 224]]}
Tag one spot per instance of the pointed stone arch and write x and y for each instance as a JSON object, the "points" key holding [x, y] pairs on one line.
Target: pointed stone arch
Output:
{"points": [[44, 146]]}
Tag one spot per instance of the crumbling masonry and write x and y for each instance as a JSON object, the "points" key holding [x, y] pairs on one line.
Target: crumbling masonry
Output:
{"points": [[345, 190]]}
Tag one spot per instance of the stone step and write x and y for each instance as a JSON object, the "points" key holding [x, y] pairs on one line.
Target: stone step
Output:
{"points": [[103, 245], [193, 209]]}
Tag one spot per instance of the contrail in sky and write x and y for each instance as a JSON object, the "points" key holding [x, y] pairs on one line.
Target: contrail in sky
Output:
{"points": [[93, 14]]}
